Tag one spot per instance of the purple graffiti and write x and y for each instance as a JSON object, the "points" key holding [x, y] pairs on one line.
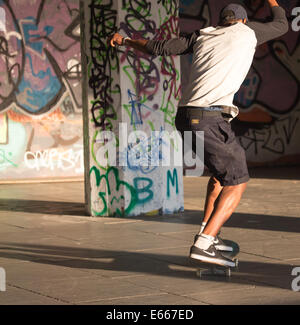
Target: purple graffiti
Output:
{"points": [[40, 54]]}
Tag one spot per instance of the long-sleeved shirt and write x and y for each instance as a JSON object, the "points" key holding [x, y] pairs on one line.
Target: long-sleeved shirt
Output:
{"points": [[222, 57]]}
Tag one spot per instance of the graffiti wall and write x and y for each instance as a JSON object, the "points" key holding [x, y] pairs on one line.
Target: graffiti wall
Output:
{"points": [[269, 123], [130, 101], [40, 89], [40, 83]]}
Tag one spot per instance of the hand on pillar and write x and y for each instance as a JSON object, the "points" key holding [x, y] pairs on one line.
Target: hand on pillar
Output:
{"points": [[119, 40], [116, 39]]}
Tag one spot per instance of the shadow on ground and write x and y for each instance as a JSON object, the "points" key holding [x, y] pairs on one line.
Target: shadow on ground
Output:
{"points": [[40, 207], [193, 217], [255, 273]]}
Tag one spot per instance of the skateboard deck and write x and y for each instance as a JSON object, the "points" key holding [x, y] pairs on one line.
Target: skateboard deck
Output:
{"points": [[208, 269]]}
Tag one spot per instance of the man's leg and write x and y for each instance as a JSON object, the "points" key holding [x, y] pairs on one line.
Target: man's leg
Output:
{"points": [[225, 205], [214, 189], [204, 248], [224, 157]]}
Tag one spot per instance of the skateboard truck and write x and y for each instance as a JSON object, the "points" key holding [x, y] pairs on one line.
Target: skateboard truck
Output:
{"points": [[215, 270]]}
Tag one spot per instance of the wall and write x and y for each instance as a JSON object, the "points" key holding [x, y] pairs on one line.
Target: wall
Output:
{"points": [[123, 85], [40, 85], [268, 125], [40, 90]]}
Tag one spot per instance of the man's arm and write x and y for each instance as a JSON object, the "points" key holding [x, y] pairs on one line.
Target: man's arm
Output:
{"points": [[119, 40], [174, 46], [273, 3], [267, 31]]}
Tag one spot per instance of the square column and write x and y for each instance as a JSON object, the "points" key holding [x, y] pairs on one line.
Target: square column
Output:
{"points": [[130, 102]]}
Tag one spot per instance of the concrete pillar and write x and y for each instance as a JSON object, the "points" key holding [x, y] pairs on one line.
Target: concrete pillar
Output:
{"points": [[127, 96]]}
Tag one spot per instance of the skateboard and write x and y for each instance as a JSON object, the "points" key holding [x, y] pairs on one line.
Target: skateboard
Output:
{"points": [[208, 269]]}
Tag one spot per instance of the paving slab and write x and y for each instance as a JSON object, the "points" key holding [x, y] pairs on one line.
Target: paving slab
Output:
{"points": [[164, 299], [21, 274], [54, 254], [18, 296], [250, 296], [120, 266], [89, 288], [282, 249]]}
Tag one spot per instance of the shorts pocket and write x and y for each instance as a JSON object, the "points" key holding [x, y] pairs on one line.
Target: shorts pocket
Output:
{"points": [[226, 132]]}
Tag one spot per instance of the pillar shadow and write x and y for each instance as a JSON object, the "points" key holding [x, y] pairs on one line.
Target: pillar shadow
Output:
{"points": [[193, 217], [237, 220], [48, 207]]}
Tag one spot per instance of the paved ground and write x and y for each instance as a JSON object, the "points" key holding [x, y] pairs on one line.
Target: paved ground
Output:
{"points": [[53, 254]]}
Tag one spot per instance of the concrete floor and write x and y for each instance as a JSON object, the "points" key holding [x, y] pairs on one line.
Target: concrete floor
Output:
{"points": [[53, 254]]}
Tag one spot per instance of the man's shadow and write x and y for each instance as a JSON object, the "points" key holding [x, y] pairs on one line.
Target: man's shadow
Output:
{"points": [[264, 274]]}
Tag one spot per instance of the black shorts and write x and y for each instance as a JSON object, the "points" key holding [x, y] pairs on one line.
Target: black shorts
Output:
{"points": [[223, 155]]}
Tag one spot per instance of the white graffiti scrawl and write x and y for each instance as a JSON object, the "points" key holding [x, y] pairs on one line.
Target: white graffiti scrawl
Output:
{"points": [[40, 85]]}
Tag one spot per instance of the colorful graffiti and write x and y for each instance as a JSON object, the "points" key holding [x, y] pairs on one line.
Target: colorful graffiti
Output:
{"points": [[120, 198], [269, 99], [40, 90], [41, 95], [139, 90]]}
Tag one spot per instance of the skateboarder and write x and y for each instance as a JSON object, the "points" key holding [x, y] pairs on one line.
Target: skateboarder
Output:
{"points": [[222, 57]]}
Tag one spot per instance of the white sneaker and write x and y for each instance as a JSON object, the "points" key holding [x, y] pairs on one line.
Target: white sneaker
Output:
{"points": [[219, 244]]}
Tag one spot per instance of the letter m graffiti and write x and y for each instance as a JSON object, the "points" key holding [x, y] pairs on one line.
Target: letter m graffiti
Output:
{"points": [[173, 179]]}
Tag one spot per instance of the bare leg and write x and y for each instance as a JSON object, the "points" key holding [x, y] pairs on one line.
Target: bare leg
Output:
{"points": [[214, 189], [225, 205]]}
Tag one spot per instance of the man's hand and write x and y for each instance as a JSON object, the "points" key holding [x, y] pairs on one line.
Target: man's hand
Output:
{"points": [[116, 39], [273, 3]]}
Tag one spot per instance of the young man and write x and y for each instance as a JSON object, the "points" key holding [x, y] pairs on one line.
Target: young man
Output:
{"points": [[222, 57]]}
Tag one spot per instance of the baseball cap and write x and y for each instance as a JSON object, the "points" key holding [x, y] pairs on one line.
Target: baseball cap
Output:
{"points": [[233, 11]]}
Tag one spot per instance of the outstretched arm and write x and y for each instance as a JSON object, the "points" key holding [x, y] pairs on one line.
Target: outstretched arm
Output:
{"points": [[119, 40], [267, 31], [174, 46]]}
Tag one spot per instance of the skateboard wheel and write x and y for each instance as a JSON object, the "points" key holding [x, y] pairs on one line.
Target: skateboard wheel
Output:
{"points": [[199, 273], [236, 263], [228, 272]]}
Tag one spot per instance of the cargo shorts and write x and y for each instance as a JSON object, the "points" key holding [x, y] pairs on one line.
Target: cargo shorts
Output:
{"points": [[223, 155]]}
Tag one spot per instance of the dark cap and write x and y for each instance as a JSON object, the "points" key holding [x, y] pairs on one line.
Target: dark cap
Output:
{"points": [[232, 12]]}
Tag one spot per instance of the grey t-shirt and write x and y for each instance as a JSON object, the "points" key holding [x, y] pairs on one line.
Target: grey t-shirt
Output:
{"points": [[222, 57], [264, 32]]}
